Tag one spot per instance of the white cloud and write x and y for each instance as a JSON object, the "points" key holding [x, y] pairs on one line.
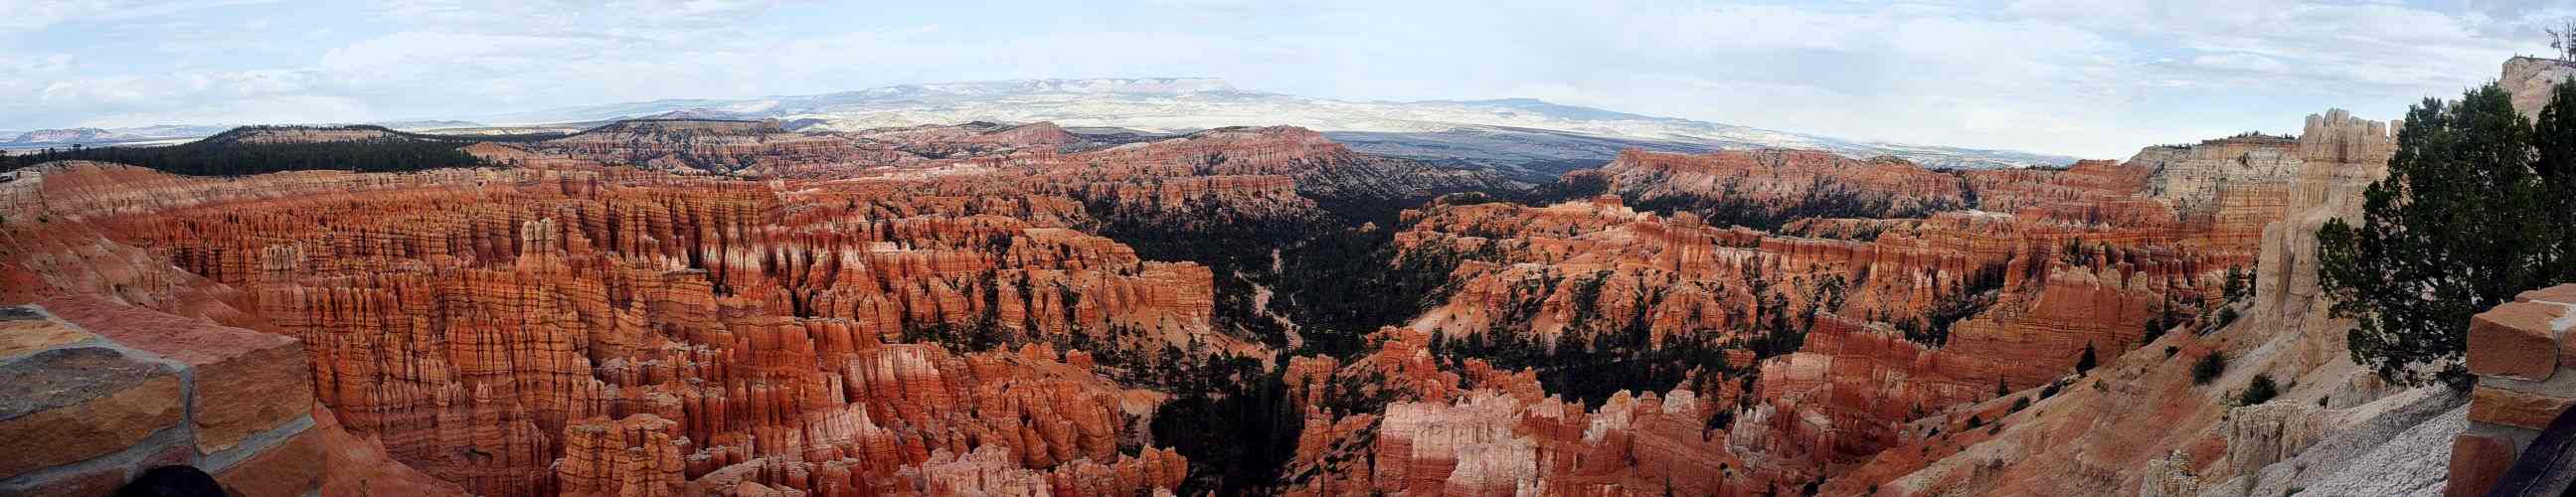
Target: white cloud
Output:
{"points": [[2090, 78], [2239, 62]]}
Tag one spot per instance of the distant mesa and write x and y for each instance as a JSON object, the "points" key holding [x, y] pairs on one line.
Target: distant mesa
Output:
{"points": [[290, 134], [172, 134], [1530, 137], [74, 135], [99, 136], [690, 125], [301, 134], [1527, 138]]}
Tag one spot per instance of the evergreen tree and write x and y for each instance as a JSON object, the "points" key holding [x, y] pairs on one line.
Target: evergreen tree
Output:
{"points": [[2240, 284], [227, 154], [2554, 142], [2086, 362], [2465, 219]]}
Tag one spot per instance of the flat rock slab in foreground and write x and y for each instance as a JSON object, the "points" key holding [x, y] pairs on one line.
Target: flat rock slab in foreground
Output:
{"points": [[87, 408]]}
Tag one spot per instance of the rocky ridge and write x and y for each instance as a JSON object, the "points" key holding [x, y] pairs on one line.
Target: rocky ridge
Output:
{"points": [[2104, 259], [730, 308], [2334, 427], [574, 326]]}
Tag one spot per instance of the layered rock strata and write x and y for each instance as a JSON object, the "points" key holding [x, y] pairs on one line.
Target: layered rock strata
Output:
{"points": [[99, 392], [2023, 274], [2333, 426], [934, 323]]}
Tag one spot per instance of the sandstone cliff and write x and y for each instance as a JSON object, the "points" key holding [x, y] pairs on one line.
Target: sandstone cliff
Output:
{"points": [[2530, 79], [943, 310], [2334, 428], [1906, 337], [923, 322], [1777, 182]]}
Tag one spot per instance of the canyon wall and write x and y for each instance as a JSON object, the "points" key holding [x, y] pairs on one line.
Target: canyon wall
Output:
{"points": [[1906, 338], [1780, 182], [900, 311], [2333, 428], [575, 326], [728, 308]]}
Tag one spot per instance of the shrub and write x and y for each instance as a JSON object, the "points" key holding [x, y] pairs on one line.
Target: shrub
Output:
{"points": [[2208, 367], [2259, 391]]}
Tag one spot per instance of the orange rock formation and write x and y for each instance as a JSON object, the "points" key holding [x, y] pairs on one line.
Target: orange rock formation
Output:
{"points": [[681, 307]]}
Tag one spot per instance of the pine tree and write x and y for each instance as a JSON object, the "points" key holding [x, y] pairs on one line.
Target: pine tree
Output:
{"points": [[2554, 141], [2465, 220], [2240, 284], [2086, 362]]}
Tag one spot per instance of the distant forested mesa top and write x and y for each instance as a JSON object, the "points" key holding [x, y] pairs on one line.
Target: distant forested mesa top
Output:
{"points": [[266, 149]]}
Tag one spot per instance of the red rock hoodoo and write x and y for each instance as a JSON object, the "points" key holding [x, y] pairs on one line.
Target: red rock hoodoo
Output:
{"points": [[698, 307]]}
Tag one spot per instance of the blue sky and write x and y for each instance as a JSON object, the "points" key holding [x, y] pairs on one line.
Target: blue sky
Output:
{"points": [[2094, 79]]}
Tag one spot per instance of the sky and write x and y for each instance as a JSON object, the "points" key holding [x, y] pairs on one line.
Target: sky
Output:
{"points": [[2090, 79]]}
